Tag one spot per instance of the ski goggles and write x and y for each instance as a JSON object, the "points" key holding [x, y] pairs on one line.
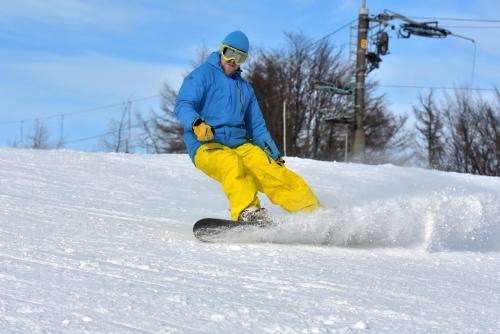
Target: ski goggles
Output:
{"points": [[230, 53]]}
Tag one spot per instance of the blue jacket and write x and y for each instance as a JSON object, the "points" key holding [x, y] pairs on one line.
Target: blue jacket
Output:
{"points": [[227, 103]]}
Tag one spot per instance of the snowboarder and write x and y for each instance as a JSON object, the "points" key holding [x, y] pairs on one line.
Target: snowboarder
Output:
{"points": [[227, 138]]}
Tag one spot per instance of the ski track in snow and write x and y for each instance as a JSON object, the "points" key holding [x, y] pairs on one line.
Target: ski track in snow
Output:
{"points": [[102, 243]]}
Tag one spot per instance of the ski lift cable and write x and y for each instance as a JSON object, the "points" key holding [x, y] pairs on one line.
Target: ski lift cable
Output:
{"points": [[456, 19]]}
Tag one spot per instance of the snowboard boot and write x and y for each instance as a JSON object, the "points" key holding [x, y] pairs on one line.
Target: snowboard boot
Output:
{"points": [[253, 214]]}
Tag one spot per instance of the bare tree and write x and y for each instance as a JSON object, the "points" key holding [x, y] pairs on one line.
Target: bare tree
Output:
{"points": [[291, 74], [387, 139], [430, 128], [119, 137], [39, 139], [474, 134], [162, 132]]}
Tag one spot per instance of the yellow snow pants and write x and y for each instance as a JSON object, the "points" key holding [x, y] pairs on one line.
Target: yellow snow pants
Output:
{"points": [[247, 169]]}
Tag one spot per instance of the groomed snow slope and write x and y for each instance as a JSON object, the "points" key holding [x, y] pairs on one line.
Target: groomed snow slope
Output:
{"points": [[102, 243]]}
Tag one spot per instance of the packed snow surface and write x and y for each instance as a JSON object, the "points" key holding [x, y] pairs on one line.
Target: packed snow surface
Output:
{"points": [[102, 243]]}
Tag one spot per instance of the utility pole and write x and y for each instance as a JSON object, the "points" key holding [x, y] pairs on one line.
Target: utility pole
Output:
{"points": [[61, 133], [284, 128], [358, 144]]}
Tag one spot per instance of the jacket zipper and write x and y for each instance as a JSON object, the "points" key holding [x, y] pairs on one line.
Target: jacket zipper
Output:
{"points": [[241, 96]]}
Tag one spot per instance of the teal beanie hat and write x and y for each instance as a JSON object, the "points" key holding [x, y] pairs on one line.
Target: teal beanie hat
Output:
{"points": [[237, 40]]}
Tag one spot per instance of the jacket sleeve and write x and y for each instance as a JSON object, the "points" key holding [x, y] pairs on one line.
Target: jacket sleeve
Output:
{"points": [[190, 97], [256, 127]]}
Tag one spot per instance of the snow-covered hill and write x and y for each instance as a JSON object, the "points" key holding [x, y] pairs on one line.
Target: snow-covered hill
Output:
{"points": [[102, 243]]}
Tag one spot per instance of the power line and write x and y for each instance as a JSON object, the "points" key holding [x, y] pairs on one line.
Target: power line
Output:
{"points": [[319, 40], [88, 138], [85, 111], [112, 132], [332, 33], [471, 27], [437, 87], [455, 19]]}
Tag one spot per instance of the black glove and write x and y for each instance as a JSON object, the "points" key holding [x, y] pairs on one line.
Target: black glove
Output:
{"points": [[280, 161], [202, 130]]}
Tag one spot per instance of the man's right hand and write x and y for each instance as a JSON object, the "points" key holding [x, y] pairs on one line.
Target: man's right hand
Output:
{"points": [[280, 161], [202, 130]]}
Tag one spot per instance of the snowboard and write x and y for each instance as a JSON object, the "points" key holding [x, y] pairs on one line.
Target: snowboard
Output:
{"points": [[213, 229]]}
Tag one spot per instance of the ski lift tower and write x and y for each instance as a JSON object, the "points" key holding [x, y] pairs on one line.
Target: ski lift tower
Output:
{"points": [[358, 144], [344, 119], [367, 61]]}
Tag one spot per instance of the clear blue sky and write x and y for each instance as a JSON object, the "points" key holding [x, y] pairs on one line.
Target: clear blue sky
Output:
{"points": [[66, 56]]}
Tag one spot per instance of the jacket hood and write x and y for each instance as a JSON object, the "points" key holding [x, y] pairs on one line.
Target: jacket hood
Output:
{"points": [[214, 60]]}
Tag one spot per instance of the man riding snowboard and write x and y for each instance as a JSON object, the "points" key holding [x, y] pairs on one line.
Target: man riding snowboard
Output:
{"points": [[227, 138]]}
